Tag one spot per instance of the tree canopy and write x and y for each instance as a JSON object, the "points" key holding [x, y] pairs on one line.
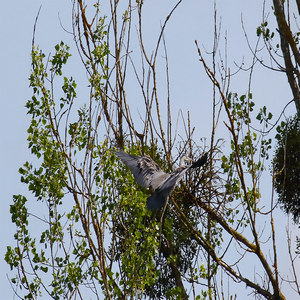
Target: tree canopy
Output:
{"points": [[85, 231]]}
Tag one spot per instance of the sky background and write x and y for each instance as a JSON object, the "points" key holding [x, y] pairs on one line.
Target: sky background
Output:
{"points": [[190, 89]]}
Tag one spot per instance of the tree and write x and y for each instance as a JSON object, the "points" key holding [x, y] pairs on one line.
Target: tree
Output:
{"points": [[286, 166], [98, 237], [289, 49]]}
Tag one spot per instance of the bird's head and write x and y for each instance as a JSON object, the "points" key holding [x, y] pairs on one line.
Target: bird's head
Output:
{"points": [[184, 160]]}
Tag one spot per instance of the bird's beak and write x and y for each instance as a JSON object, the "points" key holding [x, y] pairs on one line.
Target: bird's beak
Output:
{"points": [[188, 161]]}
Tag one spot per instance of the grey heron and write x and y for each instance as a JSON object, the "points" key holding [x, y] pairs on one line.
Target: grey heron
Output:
{"points": [[149, 175]]}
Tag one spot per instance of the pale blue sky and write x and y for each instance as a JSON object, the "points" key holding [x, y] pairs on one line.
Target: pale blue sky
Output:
{"points": [[190, 88]]}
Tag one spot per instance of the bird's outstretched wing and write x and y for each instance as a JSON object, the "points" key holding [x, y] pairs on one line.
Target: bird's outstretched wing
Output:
{"points": [[145, 171], [161, 194], [200, 162]]}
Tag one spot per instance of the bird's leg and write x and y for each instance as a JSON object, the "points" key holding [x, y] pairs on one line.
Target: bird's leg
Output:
{"points": [[162, 221]]}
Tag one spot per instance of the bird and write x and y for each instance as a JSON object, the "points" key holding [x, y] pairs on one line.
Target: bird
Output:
{"points": [[149, 175]]}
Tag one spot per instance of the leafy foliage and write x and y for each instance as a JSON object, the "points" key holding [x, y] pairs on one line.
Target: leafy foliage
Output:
{"points": [[287, 166], [108, 210]]}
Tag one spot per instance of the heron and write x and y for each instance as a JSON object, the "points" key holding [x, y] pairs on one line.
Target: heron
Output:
{"points": [[149, 175]]}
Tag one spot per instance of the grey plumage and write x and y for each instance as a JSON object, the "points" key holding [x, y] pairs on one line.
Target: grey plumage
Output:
{"points": [[149, 175]]}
